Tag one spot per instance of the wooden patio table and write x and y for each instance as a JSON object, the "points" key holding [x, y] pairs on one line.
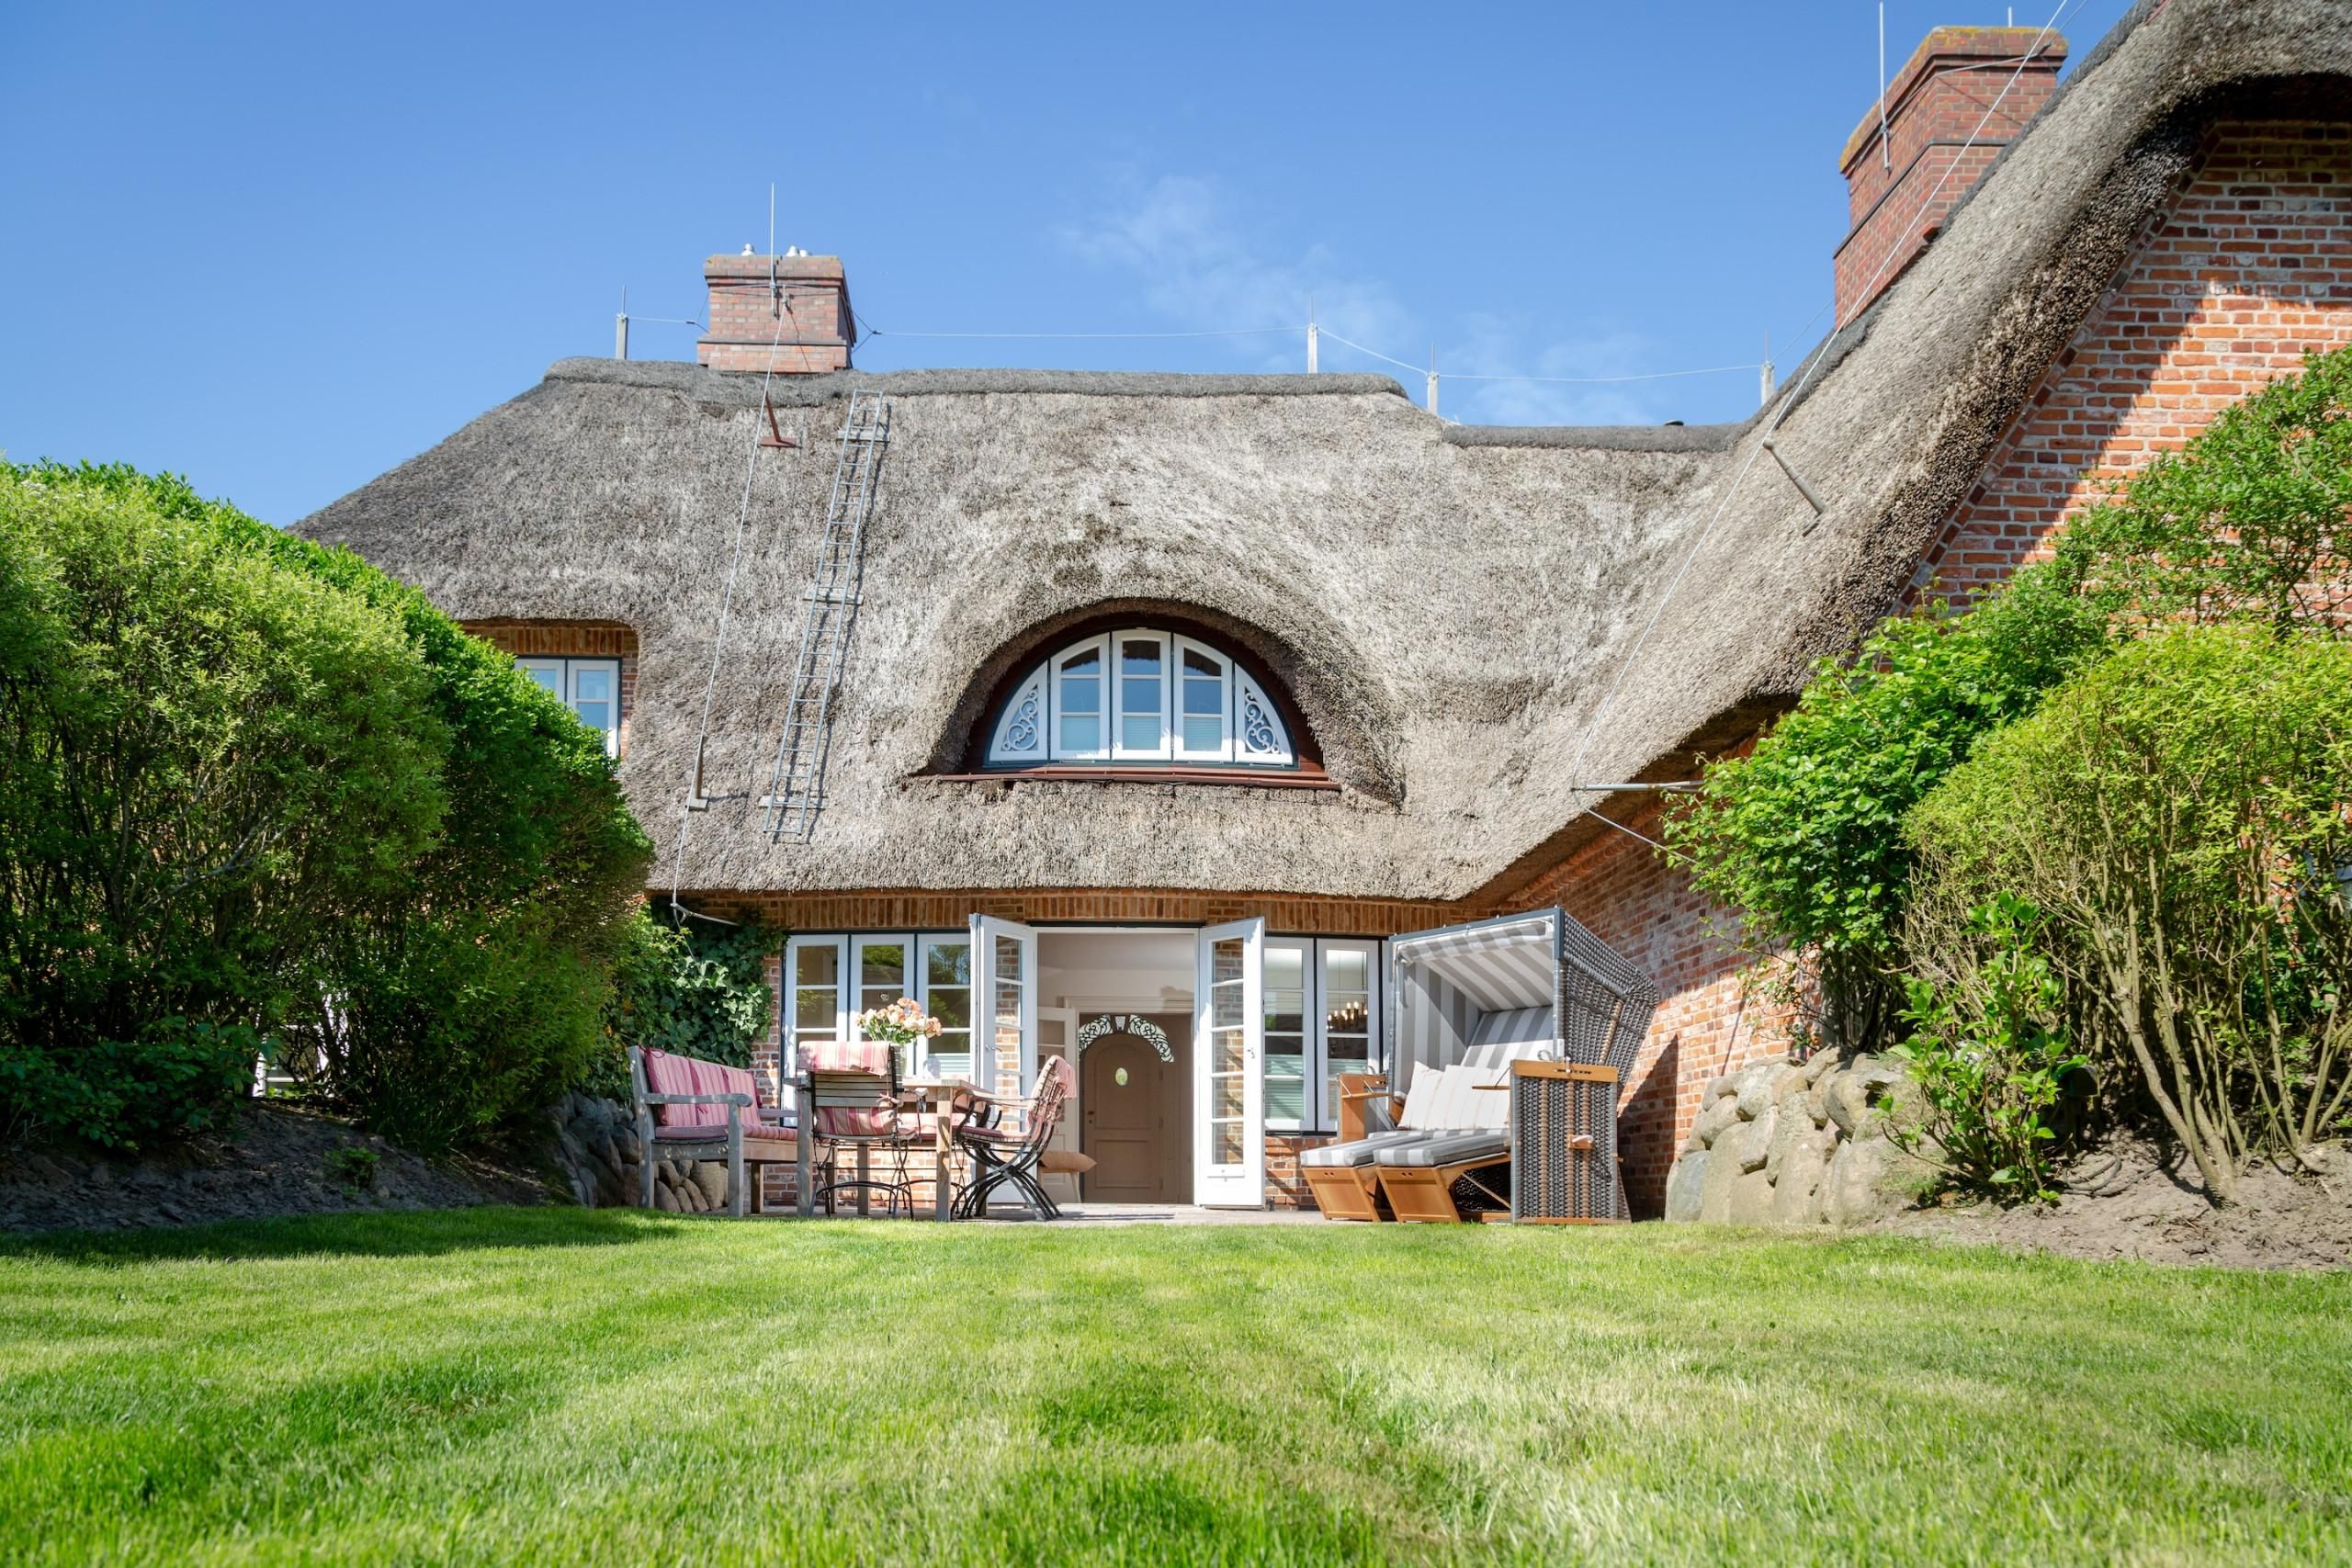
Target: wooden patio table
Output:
{"points": [[938, 1097]]}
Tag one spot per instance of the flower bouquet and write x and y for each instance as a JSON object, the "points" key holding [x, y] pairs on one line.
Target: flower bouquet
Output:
{"points": [[901, 1024]]}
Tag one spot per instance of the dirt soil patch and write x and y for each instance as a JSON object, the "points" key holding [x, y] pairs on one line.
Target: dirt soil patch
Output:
{"points": [[272, 1160], [2134, 1200]]}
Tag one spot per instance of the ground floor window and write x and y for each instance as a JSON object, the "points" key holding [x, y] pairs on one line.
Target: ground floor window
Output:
{"points": [[830, 980], [591, 688], [1322, 1019]]}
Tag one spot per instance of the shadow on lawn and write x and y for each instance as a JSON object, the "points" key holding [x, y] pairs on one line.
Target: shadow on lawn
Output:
{"points": [[391, 1233]]}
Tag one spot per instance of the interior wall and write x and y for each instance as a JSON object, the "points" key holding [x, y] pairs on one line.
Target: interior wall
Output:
{"points": [[1116, 971]]}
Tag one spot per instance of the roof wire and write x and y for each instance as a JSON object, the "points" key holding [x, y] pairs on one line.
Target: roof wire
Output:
{"points": [[719, 640], [1785, 404]]}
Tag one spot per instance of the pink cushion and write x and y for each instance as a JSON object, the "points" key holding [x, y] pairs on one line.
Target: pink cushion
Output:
{"points": [[668, 1074], [715, 1131], [869, 1056]]}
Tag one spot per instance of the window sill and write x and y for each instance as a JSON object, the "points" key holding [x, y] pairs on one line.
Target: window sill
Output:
{"points": [[1236, 778]]}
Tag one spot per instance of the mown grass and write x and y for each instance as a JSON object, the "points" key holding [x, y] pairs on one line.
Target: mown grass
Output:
{"points": [[552, 1386]]}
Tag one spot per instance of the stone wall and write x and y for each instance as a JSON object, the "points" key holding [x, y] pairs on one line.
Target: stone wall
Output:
{"points": [[1796, 1144]]}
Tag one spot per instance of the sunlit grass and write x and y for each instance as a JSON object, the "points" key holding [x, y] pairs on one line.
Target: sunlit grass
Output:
{"points": [[555, 1386]]}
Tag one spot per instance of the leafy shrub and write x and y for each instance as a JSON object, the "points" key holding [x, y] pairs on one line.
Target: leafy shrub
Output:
{"points": [[2247, 522], [687, 986], [2182, 812], [249, 783], [204, 759], [352, 1169], [1804, 835], [1989, 1068]]}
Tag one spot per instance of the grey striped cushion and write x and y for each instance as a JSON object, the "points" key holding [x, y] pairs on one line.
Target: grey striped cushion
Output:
{"points": [[1447, 1148]]}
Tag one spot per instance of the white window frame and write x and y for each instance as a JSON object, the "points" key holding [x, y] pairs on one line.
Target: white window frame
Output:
{"points": [[1326, 1108], [1057, 749], [1159, 751], [566, 671], [849, 948], [1319, 1111], [1238, 694], [1222, 751], [1308, 971]]}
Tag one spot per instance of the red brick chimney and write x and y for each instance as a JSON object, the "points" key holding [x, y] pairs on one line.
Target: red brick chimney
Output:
{"points": [[1933, 106], [751, 296]]}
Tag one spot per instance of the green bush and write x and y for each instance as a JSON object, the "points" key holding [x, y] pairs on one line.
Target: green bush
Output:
{"points": [[1989, 1068], [247, 783], [1804, 835], [689, 987], [204, 759], [2182, 814], [2247, 522]]}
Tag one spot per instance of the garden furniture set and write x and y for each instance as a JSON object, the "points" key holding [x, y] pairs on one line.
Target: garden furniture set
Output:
{"points": [[866, 1128]]}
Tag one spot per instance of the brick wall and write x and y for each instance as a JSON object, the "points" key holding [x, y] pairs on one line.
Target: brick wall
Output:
{"points": [[1953, 84], [571, 639], [2250, 267], [793, 309]]}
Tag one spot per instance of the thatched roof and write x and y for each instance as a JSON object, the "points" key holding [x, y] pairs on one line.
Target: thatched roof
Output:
{"points": [[1447, 605]]}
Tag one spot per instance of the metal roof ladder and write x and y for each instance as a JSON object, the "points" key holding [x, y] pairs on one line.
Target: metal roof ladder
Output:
{"points": [[796, 787]]}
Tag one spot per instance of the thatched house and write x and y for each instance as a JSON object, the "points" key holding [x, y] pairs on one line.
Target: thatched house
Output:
{"points": [[1368, 662]]}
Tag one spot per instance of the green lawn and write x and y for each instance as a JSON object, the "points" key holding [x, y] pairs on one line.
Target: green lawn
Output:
{"points": [[553, 1386]]}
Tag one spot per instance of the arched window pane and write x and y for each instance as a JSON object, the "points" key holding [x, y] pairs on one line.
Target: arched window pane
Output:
{"points": [[1142, 665]]}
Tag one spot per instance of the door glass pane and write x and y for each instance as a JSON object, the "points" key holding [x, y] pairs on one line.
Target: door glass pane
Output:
{"points": [[1140, 661], [1228, 1049], [1347, 1022], [947, 997], [1285, 1010], [1009, 978]]}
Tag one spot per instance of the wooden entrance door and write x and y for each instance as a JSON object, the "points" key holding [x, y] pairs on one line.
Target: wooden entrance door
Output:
{"points": [[1132, 1106]]}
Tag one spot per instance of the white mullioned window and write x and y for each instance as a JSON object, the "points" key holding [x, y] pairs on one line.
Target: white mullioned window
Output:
{"points": [[1140, 696], [591, 688], [1322, 1019], [829, 980]]}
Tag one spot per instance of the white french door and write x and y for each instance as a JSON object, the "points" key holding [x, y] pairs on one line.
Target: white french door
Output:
{"points": [[1228, 1053], [1004, 1005]]}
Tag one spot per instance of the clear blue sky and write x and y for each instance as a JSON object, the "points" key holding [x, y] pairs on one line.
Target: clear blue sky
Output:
{"points": [[280, 250]]}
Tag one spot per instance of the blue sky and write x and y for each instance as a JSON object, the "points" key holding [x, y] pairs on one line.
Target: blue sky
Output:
{"points": [[280, 250]]}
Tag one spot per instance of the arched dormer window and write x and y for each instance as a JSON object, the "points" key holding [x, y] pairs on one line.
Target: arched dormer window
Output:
{"points": [[1144, 696]]}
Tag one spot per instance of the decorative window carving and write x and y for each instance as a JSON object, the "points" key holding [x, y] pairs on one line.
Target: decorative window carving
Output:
{"points": [[1143, 696]]}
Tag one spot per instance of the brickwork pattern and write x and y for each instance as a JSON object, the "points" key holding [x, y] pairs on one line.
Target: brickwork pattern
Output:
{"points": [[571, 639], [2249, 269], [1957, 81], [818, 329]]}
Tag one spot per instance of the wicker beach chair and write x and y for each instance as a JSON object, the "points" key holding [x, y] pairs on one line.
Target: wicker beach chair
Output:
{"points": [[690, 1108], [1006, 1156]]}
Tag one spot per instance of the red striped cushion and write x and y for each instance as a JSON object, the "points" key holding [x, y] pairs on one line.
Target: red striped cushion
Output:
{"points": [[668, 1074], [871, 1056]]}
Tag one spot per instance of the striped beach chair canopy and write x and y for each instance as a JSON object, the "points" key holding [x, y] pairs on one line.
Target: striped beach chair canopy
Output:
{"points": [[1524, 979]]}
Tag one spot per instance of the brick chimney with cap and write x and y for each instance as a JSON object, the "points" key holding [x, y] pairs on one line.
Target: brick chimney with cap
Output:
{"points": [[1935, 103], [752, 296]]}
